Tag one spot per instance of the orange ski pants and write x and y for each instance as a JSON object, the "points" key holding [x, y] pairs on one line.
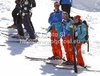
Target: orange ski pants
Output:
{"points": [[55, 43], [66, 41], [79, 57]]}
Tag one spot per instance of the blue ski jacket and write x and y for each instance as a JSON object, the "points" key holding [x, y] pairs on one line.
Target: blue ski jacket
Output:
{"points": [[55, 20], [55, 16], [64, 32], [66, 2], [81, 30]]}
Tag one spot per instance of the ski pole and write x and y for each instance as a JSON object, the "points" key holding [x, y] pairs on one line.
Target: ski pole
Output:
{"points": [[73, 46]]}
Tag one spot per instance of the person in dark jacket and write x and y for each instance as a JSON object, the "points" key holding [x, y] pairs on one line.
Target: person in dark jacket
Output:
{"points": [[66, 5], [16, 11], [24, 15]]}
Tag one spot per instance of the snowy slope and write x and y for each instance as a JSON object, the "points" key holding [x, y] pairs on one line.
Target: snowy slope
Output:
{"points": [[90, 5], [12, 60]]}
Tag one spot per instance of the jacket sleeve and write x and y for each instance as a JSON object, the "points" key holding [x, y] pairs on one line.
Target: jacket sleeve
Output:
{"points": [[83, 30], [67, 27], [49, 20], [52, 19]]}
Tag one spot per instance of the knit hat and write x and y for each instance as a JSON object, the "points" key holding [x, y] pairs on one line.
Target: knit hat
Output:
{"points": [[78, 16], [56, 3]]}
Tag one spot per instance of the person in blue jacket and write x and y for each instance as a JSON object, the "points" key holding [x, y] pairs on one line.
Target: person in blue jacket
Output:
{"points": [[65, 35], [79, 30], [66, 5], [55, 20]]}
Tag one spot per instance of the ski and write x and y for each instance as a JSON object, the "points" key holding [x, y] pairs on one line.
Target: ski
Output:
{"points": [[36, 59], [6, 34], [46, 60], [73, 46], [79, 68], [14, 41], [21, 41], [70, 65], [40, 59], [54, 62], [37, 34], [40, 33], [4, 27]]}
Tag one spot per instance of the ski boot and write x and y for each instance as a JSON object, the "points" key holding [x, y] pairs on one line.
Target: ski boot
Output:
{"points": [[13, 26], [55, 58], [68, 62]]}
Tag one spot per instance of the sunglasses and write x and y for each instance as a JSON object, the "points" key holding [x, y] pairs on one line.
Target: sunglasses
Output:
{"points": [[75, 18], [57, 5], [64, 15]]}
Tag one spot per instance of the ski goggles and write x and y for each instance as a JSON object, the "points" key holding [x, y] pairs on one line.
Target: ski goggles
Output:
{"points": [[57, 5]]}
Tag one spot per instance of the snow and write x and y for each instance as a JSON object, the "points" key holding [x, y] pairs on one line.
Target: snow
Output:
{"points": [[90, 5], [12, 56]]}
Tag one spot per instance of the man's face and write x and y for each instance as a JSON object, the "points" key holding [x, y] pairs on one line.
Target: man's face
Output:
{"points": [[56, 6], [64, 16]]}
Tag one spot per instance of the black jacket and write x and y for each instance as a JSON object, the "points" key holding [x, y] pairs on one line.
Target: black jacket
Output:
{"points": [[26, 6]]}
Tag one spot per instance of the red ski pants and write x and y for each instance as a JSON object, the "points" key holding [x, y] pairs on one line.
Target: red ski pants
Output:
{"points": [[55, 43], [79, 57], [66, 41]]}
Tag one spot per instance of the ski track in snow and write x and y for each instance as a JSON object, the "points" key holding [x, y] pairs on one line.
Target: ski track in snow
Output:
{"points": [[13, 62]]}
